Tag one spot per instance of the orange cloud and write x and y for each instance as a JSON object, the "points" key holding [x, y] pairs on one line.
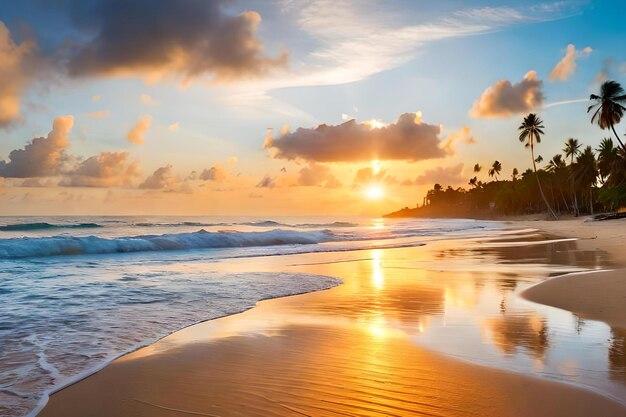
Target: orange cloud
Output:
{"points": [[317, 175], [215, 173], [148, 100], [504, 99], [452, 175], [100, 114], [107, 169], [42, 157], [566, 67], [408, 139], [463, 135], [16, 72], [194, 38], [162, 178], [137, 133]]}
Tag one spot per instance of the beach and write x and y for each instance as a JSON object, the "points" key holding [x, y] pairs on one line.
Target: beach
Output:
{"points": [[439, 329], [596, 296]]}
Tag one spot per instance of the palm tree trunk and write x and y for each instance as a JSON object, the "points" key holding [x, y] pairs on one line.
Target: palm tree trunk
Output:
{"points": [[591, 200], [617, 136], [545, 200], [563, 197], [576, 211]]}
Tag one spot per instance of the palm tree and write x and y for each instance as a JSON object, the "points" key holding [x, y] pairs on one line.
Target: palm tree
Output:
{"points": [[515, 174], [531, 130], [539, 159], [585, 172], [607, 155], [608, 107], [557, 167], [495, 169], [571, 150]]}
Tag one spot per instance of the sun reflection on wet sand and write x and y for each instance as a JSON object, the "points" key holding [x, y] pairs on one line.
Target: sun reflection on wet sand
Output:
{"points": [[357, 349]]}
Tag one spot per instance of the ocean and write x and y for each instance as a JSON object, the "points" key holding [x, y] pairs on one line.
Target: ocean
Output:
{"points": [[78, 292]]}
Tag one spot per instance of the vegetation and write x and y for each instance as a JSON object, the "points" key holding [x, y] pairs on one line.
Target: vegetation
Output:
{"points": [[579, 181]]}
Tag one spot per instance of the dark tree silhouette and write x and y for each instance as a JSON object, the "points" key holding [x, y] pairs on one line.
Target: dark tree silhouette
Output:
{"points": [[531, 130]]}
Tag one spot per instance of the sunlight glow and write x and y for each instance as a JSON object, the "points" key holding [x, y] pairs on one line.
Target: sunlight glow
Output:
{"points": [[376, 166], [374, 192]]}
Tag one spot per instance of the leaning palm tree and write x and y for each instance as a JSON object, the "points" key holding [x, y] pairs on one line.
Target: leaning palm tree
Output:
{"points": [[495, 169], [609, 107], [531, 130]]}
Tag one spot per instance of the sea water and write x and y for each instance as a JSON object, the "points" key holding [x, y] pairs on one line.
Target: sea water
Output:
{"points": [[77, 292]]}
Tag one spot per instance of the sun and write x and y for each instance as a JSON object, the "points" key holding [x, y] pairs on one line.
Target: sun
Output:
{"points": [[374, 192]]}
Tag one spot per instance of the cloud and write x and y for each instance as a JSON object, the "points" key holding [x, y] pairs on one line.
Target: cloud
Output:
{"points": [[452, 175], [17, 71], [107, 169], [173, 127], [463, 135], [232, 160], [161, 178], [367, 175], [100, 114], [317, 175], [215, 173], [136, 134], [504, 99], [153, 39], [148, 100], [96, 99], [408, 139], [567, 65], [267, 182], [42, 157]]}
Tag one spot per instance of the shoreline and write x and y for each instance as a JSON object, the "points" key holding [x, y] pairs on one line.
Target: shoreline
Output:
{"points": [[252, 334], [594, 295]]}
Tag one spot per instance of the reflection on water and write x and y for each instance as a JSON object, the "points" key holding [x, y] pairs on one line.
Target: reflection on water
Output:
{"points": [[347, 349], [460, 299]]}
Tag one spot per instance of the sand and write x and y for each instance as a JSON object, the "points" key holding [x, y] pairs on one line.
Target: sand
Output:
{"points": [[598, 295], [344, 351]]}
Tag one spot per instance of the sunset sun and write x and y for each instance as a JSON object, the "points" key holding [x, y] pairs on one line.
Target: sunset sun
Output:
{"points": [[374, 192]]}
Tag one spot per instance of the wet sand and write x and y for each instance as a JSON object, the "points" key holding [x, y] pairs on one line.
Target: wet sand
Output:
{"points": [[345, 351], [598, 295]]}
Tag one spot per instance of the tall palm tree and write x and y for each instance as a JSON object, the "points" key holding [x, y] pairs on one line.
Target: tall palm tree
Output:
{"points": [[608, 107], [571, 150], [515, 174], [495, 169], [585, 172], [531, 130]]}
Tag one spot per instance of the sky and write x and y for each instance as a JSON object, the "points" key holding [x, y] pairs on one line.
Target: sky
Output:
{"points": [[286, 107]]}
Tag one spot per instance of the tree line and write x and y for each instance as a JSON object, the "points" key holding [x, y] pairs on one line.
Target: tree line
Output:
{"points": [[580, 180]]}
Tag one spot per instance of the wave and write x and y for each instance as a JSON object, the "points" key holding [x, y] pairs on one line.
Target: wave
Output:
{"points": [[261, 223], [72, 245], [45, 226]]}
